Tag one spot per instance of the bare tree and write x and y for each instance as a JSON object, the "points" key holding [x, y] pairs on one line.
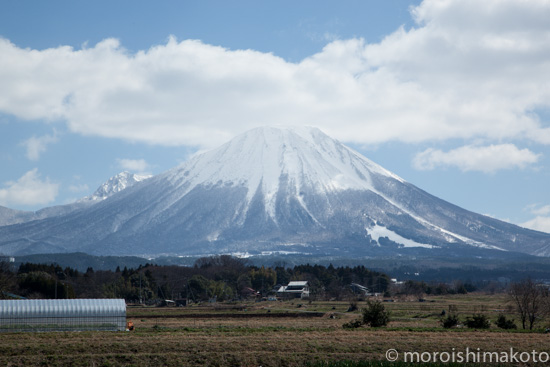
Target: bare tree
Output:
{"points": [[531, 301]]}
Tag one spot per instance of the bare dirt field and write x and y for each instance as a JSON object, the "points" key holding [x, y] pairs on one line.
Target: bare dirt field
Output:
{"points": [[272, 334]]}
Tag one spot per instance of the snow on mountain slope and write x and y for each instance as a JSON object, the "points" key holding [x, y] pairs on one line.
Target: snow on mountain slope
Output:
{"points": [[11, 216], [272, 190], [377, 232], [261, 158], [115, 184]]}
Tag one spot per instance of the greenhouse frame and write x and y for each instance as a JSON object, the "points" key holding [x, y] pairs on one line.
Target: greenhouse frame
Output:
{"points": [[62, 315]]}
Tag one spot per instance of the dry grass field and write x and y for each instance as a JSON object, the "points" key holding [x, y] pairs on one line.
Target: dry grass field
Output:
{"points": [[271, 334]]}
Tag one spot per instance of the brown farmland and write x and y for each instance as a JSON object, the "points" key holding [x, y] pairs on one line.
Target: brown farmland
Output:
{"points": [[269, 334]]}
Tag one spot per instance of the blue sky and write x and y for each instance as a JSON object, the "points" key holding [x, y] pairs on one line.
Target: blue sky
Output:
{"points": [[451, 95]]}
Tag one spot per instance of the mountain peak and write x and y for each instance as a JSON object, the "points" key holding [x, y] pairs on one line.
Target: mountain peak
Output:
{"points": [[115, 184], [265, 159]]}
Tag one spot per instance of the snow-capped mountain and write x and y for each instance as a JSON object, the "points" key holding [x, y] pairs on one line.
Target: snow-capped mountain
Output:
{"points": [[115, 184], [269, 191]]}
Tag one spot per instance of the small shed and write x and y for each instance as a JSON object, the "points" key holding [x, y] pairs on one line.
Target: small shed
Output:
{"points": [[62, 315]]}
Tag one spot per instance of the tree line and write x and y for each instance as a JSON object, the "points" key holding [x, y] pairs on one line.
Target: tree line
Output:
{"points": [[528, 298], [220, 277], [420, 289]]}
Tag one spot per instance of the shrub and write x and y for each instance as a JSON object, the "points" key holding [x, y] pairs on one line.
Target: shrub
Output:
{"points": [[352, 305], [450, 321], [478, 321], [353, 324], [503, 323], [375, 314]]}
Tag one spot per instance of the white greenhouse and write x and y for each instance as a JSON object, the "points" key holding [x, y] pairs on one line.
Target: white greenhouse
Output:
{"points": [[62, 315]]}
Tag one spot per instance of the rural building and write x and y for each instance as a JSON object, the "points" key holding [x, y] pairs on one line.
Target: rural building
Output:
{"points": [[167, 303], [359, 289], [182, 302], [62, 315], [294, 290], [7, 259], [248, 292]]}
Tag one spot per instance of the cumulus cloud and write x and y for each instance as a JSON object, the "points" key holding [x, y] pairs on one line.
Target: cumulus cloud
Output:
{"points": [[488, 159], [539, 210], [541, 221], [37, 145], [467, 69], [29, 190], [134, 165]]}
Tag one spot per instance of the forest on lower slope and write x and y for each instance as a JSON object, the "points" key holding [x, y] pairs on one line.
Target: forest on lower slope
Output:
{"points": [[223, 278]]}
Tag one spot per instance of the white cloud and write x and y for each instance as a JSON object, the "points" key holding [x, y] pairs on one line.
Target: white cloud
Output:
{"points": [[468, 69], [540, 210], [134, 165], [37, 145], [28, 190], [488, 159], [539, 223]]}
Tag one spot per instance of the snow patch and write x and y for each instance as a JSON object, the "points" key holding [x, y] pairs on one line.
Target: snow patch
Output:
{"points": [[378, 232]]}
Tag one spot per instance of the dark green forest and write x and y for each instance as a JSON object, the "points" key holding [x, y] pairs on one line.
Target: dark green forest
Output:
{"points": [[223, 278]]}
